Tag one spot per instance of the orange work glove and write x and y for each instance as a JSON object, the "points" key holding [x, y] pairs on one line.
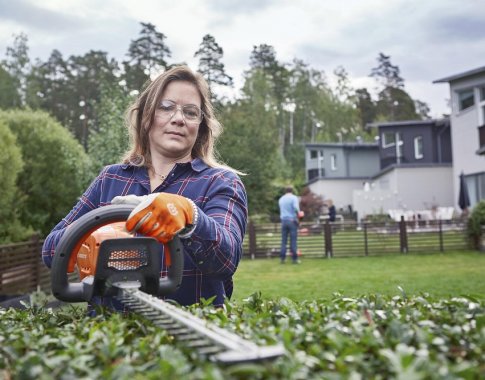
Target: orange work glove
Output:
{"points": [[160, 215]]}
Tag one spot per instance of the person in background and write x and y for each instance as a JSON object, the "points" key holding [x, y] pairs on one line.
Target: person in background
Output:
{"points": [[289, 215], [332, 212], [171, 176]]}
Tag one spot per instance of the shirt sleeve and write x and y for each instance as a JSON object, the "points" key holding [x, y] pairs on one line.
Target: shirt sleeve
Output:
{"points": [[87, 202], [216, 243]]}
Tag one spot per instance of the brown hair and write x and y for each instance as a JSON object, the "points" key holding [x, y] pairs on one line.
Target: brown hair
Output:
{"points": [[141, 114]]}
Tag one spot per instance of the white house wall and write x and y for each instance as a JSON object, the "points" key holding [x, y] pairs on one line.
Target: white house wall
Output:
{"points": [[464, 134], [407, 189], [339, 190]]}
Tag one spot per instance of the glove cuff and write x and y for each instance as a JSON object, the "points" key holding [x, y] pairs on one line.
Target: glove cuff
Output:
{"points": [[189, 230]]}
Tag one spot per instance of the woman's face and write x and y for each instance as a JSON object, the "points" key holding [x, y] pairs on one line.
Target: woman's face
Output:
{"points": [[173, 134]]}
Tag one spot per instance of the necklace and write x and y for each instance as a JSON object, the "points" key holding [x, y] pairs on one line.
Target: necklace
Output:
{"points": [[159, 176]]}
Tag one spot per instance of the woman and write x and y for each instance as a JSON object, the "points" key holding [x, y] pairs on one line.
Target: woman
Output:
{"points": [[171, 173]]}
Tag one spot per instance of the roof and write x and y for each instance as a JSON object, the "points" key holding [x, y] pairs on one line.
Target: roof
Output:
{"points": [[352, 145], [463, 75], [409, 123]]}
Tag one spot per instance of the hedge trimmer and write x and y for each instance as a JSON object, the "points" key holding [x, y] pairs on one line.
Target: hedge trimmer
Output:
{"points": [[111, 262]]}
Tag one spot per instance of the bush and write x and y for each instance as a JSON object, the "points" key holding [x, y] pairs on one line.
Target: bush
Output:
{"points": [[10, 167], [55, 168], [475, 224]]}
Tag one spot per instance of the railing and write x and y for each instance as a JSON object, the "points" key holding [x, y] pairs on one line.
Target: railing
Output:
{"points": [[339, 239]]}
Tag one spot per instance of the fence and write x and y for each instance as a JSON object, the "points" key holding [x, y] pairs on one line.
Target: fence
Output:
{"points": [[21, 269], [341, 239]]}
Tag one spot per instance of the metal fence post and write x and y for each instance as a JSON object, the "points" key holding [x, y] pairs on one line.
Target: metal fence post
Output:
{"points": [[252, 240], [328, 240], [403, 235], [37, 253], [442, 248]]}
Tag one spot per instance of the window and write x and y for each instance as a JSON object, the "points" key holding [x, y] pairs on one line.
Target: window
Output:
{"points": [[466, 99], [313, 154], [388, 139], [333, 162], [418, 147], [482, 93]]}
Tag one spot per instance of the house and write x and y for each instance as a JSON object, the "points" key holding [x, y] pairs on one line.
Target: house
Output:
{"points": [[467, 94], [335, 170], [416, 173], [409, 168]]}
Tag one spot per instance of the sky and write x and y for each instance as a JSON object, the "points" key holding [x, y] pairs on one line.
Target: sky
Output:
{"points": [[426, 39]]}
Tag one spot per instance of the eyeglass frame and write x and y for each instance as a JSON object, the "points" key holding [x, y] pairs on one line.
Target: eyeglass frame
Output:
{"points": [[180, 108]]}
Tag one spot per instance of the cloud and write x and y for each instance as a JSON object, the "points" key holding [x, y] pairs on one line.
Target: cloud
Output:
{"points": [[31, 16]]}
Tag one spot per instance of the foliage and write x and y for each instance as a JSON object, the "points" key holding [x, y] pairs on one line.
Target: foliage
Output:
{"points": [[70, 90], [248, 144], [394, 103], [311, 204], [18, 62], [475, 224], [10, 166], [371, 336], [55, 168], [107, 145], [9, 94], [147, 56], [210, 65], [386, 73]]}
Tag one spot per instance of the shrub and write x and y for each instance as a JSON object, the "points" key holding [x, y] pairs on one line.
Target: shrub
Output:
{"points": [[475, 224], [55, 168], [10, 167]]}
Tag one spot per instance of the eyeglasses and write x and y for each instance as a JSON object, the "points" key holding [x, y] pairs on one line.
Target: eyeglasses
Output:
{"points": [[190, 112]]}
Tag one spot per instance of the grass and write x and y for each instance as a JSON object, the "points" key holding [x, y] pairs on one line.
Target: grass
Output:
{"points": [[441, 275]]}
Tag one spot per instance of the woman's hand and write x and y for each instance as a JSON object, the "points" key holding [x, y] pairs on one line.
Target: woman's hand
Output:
{"points": [[160, 215]]}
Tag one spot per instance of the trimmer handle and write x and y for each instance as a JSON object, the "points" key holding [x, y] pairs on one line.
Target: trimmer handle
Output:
{"points": [[78, 232]]}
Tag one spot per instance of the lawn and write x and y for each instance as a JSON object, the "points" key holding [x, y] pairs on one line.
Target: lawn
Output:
{"points": [[440, 275]]}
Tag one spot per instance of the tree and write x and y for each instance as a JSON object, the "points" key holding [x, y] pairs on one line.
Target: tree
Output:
{"points": [[263, 57], [344, 90], [147, 55], [71, 89], [89, 73], [365, 106], [107, 145], [55, 170], [9, 95], [311, 204], [422, 109], [394, 103], [11, 165], [18, 62], [210, 65], [249, 142], [386, 73]]}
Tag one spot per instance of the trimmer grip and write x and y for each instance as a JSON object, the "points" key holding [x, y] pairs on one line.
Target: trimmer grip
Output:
{"points": [[79, 231]]}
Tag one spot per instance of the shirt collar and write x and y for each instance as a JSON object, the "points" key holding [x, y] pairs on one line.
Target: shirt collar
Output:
{"points": [[197, 165]]}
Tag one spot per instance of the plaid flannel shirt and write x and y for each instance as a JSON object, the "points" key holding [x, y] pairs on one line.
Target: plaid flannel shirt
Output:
{"points": [[214, 250]]}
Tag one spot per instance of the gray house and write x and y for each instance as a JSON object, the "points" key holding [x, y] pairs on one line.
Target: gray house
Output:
{"points": [[409, 169], [467, 93], [335, 170]]}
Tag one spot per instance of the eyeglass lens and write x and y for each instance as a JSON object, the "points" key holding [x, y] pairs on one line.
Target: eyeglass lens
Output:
{"points": [[191, 112]]}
